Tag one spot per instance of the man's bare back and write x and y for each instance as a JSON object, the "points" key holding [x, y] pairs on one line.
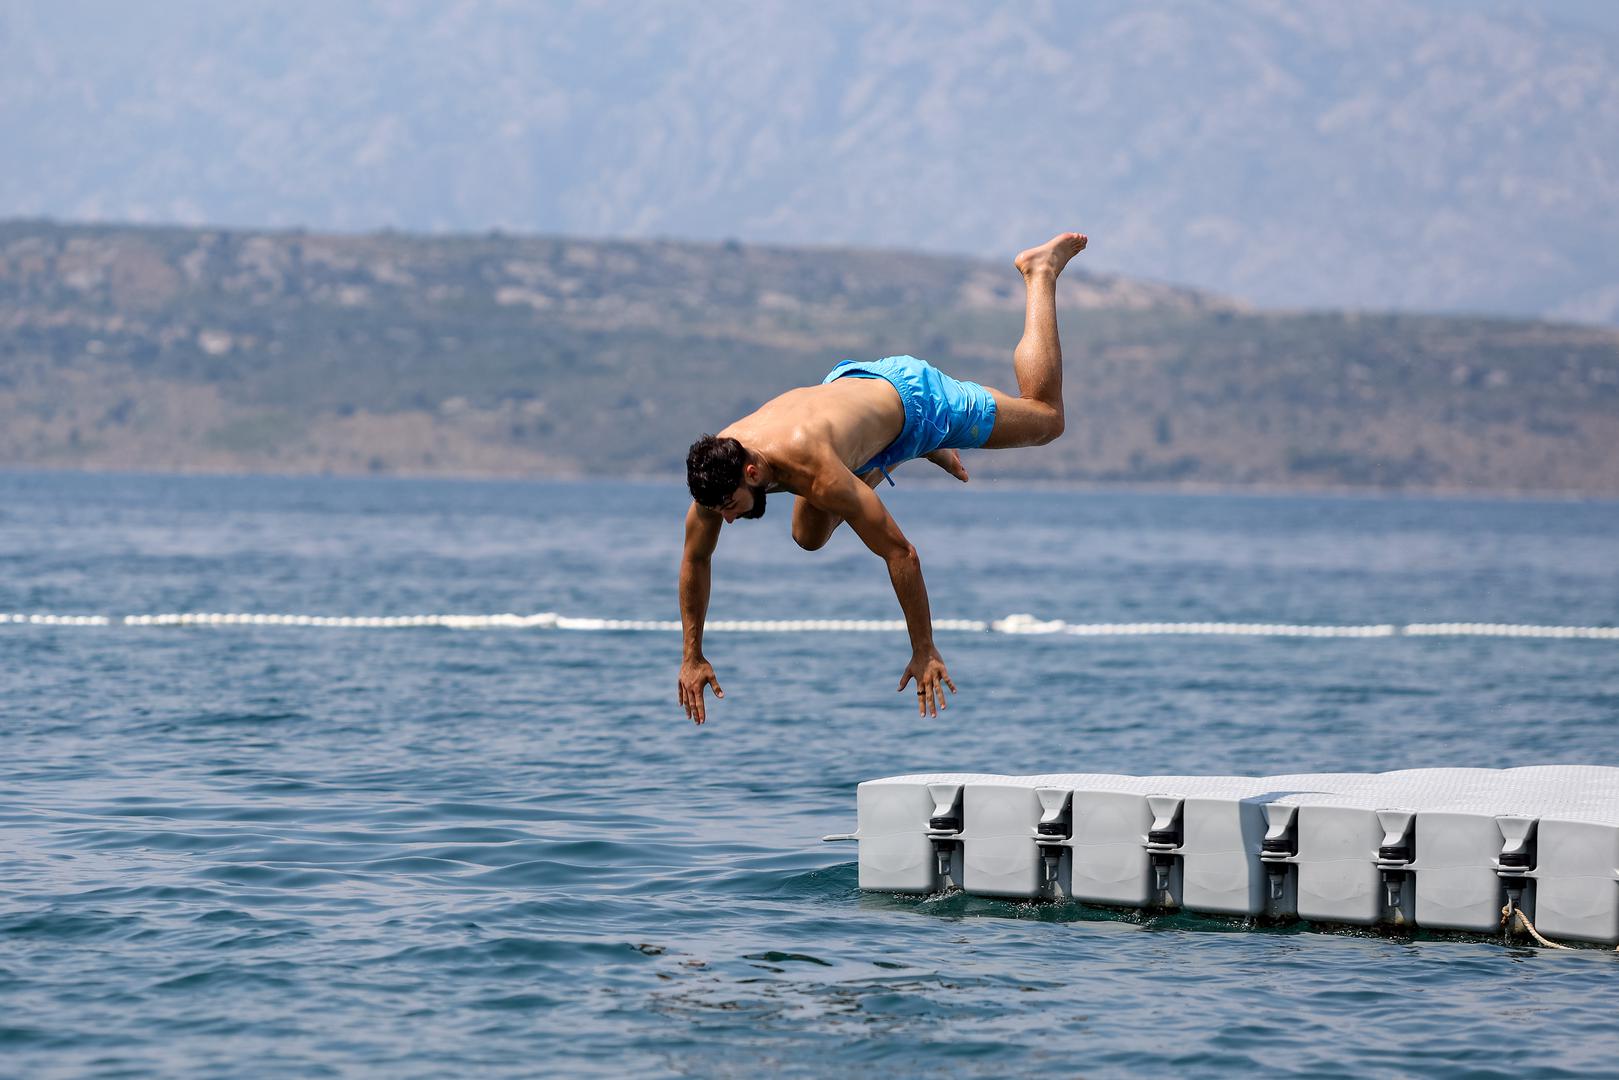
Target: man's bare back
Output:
{"points": [[853, 418], [811, 442]]}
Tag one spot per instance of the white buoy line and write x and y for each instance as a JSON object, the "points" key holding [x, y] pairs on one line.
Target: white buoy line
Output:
{"points": [[1013, 624]]}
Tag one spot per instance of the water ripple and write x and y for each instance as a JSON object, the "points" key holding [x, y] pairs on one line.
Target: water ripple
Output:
{"points": [[483, 853]]}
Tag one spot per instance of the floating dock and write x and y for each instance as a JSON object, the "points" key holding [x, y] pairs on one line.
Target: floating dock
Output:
{"points": [[1439, 849]]}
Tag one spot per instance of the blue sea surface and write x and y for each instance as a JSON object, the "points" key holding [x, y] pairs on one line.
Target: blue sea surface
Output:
{"points": [[278, 851]]}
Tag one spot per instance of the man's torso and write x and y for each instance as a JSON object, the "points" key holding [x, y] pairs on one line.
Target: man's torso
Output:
{"points": [[854, 419]]}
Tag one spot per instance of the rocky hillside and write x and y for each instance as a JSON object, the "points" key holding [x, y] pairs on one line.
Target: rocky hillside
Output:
{"points": [[205, 349]]}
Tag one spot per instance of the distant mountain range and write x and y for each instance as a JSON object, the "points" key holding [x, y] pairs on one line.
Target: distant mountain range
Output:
{"points": [[206, 349], [1459, 155]]}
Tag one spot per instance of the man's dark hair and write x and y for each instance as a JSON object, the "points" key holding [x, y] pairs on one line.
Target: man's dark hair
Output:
{"points": [[714, 469]]}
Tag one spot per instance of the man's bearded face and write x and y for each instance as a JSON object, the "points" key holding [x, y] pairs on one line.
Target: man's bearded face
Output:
{"points": [[757, 510]]}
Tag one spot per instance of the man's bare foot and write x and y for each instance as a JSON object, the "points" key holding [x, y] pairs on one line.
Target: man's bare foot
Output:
{"points": [[1051, 256], [950, 462]]}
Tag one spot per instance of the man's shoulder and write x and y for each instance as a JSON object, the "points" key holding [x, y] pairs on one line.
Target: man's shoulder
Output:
{"points": [[803, 462]]}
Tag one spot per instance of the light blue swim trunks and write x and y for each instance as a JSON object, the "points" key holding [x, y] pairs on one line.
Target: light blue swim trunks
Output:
{"points": [[941, 413]]}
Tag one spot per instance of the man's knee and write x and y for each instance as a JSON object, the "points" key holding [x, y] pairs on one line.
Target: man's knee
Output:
{"points": [[809, 537]]}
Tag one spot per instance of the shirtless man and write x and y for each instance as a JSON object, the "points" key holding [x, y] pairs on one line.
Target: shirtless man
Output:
{"points": [[831, 444]]}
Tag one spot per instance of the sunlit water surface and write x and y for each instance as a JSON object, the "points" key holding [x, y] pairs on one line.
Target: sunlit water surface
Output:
{"points": [[280, 851]]}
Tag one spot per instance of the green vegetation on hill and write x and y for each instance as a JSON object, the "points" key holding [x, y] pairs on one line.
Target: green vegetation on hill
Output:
{"points": [[203, 349]]}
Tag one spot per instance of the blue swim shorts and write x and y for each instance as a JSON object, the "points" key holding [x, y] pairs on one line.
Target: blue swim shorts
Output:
{"points": [[941, 413]]}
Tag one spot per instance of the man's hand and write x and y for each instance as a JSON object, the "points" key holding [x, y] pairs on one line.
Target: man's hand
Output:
{"points": [[695, 675], [927, 668]]}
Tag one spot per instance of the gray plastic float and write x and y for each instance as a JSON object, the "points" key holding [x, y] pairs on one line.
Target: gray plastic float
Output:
{"points": [[1441, 849]]}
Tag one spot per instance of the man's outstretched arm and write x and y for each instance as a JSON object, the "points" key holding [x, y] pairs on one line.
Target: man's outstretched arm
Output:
{"points": [[839, 492], [702, 535]]}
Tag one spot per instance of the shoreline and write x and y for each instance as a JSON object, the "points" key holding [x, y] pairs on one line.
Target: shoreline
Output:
{"points": [[1000, 484]]}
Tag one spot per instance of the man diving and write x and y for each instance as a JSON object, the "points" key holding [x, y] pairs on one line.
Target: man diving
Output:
{"points": [[831, 444]]}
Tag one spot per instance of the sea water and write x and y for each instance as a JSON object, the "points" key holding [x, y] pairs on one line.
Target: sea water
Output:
{"points": [[264, 851]]}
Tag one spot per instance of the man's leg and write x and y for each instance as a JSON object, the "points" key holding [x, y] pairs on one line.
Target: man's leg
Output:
{"points": [[1034, 417], [812, 526]]}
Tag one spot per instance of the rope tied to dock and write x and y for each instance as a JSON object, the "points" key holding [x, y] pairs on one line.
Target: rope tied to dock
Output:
{"points": [[1511, 913]]}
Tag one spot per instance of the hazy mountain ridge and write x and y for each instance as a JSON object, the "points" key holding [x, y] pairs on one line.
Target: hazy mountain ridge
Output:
{"points": [[1376, 154], [216, 350]]}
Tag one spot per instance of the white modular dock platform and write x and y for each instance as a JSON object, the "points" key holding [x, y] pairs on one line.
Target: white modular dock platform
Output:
{"points": [[1440, 849]]}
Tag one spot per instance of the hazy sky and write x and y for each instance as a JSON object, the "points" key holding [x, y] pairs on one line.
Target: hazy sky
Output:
{"points": [[1376, 153]]}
